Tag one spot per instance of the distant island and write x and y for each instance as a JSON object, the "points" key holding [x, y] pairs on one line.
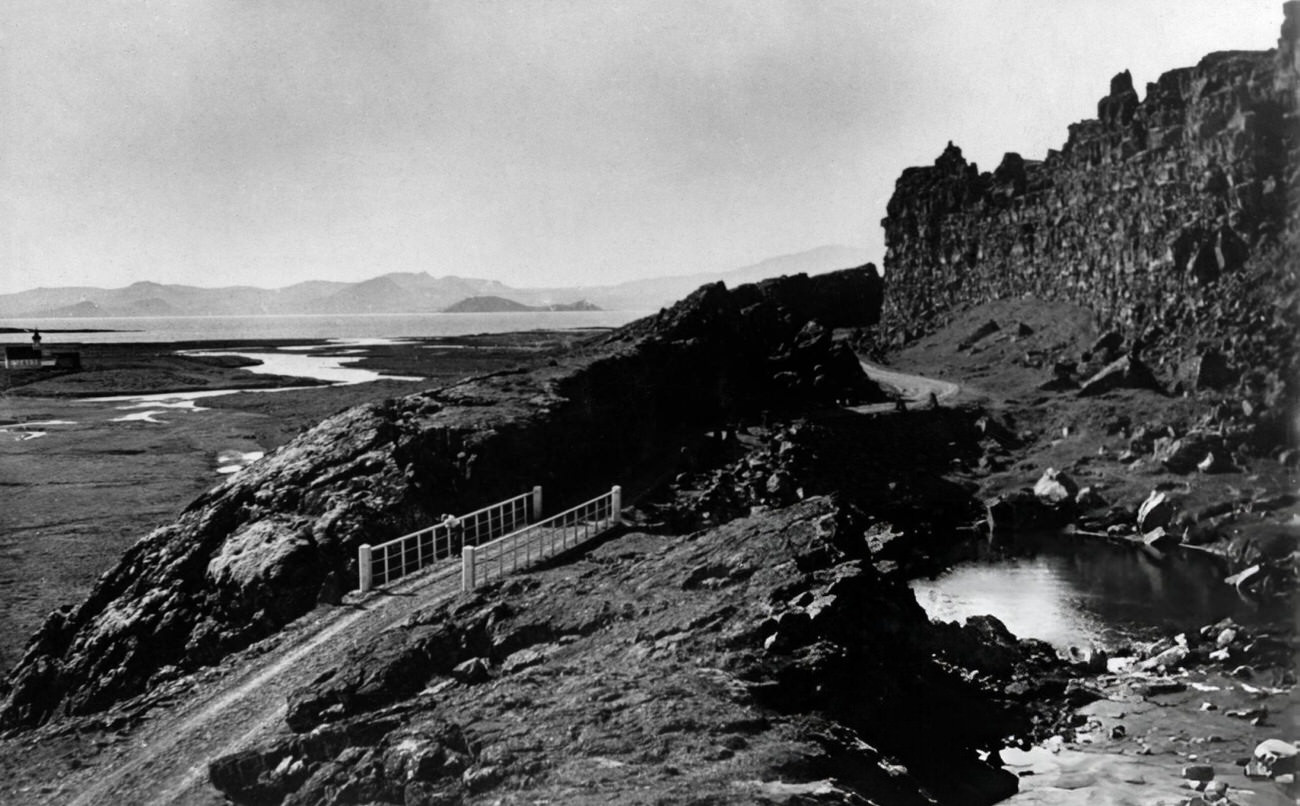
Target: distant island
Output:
{"points": [[503, 305]]}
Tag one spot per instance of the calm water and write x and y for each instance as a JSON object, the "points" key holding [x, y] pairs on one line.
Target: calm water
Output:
{"points": [[1079, 591], [351, 327]]}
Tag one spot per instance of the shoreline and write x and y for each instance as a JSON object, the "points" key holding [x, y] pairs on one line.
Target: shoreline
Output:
{"points": [[65, 330]]}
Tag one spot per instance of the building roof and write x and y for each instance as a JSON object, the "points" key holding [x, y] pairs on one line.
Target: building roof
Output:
{"points": [[21, 351]]}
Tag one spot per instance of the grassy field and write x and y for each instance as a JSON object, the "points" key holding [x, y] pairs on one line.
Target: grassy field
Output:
{"points": [[81, 488]]}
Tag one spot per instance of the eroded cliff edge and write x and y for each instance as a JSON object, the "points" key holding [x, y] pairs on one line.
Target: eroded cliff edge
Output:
{"points": [[1171, 216], [253, 553]]}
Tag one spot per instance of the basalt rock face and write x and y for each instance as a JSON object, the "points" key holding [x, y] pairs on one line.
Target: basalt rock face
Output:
{"points": [[762, 661], [1173, 218], [252, 553]]}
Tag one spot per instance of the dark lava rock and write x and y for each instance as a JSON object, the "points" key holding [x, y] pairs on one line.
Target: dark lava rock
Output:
{"points": [[1208, 370], [1123, 373], [643, 688], [1172, 217], [1184, 454], [1022, 510]]}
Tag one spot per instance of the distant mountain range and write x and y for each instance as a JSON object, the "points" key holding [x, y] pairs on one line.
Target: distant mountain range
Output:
{"points": [[400, 292]]}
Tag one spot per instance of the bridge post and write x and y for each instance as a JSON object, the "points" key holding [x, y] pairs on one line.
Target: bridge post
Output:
{"points": [[616, 504], [467, 568], [537, 503], [363, 567]]}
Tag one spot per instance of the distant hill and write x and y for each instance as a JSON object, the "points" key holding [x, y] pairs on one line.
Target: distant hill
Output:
{"points": [[487, 305], [398, 292], [503, 305], [580, 305]]}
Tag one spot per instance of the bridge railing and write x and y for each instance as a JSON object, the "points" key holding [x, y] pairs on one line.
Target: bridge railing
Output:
{"points": [[381, 564], [541, 540]]}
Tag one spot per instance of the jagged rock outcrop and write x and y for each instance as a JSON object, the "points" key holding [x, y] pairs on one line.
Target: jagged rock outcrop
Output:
{"points": [[1173, 217], [254, 552], [766, 657]]}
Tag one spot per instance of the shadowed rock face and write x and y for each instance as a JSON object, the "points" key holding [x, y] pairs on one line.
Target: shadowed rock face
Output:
{"points": [[251, 554], [1173, 218]]}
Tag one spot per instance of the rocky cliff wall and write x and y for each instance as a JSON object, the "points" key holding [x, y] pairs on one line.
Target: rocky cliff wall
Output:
{"points": [[253, 553], [1173, 217]]}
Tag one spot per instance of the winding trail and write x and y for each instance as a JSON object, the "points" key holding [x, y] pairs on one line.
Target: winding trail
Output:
{"points": [[914, 390], [166, 758]]}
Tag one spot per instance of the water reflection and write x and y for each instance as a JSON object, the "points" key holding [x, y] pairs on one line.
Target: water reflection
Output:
{"points": [[1071, 590], [329, 367]]}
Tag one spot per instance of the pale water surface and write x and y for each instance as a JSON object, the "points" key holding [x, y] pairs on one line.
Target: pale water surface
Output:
{"points": [[352, 327], [1071, 590]]}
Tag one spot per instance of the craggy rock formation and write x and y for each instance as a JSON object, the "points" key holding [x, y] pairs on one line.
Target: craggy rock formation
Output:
{"points": [[253, 553], [1172, 217], [764, 660]]}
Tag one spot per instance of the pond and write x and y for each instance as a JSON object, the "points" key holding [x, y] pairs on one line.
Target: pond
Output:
{"points": [[1072, 590]]}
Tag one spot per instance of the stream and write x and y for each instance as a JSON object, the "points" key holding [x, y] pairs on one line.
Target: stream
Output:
{"points": [[1079, 591]]}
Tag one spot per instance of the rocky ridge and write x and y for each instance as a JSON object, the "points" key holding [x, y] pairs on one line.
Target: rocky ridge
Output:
{"points": [[258, 550], [766, 659], [1173, 217]]}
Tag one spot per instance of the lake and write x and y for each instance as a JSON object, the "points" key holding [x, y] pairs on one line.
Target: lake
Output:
{"points": [[308, 326]]}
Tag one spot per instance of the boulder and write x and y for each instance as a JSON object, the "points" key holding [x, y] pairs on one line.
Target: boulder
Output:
{"points": [[1208, 370], [1022, 509], [1272, 757], [1171, 658], [1243, 579], [1089, 498], [1127, 372], [982, 332], [1055, 488], [474, 670], [1155, 512], [1106, 347], [1214, 462], [1184, 454], [1090, 659], [1161, 539]]}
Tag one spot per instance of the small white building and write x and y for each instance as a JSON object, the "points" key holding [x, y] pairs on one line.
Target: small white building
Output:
{"points": [[22, 356]]}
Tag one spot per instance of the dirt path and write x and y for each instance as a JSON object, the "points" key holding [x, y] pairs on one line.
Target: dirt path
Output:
{"points": [[166, 762], [915, 389]]}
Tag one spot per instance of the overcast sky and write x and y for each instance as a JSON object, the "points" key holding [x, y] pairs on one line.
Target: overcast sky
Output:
{"points": [[538, 143]]}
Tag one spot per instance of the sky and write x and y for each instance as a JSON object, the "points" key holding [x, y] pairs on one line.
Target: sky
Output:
{"points": [[244, 142]]}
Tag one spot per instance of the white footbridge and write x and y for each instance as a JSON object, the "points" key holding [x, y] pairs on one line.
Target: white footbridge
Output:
{"points": [[494, 541]]}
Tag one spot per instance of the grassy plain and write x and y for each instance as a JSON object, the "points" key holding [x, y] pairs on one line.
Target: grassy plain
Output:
{"points": [[80, 484]]}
